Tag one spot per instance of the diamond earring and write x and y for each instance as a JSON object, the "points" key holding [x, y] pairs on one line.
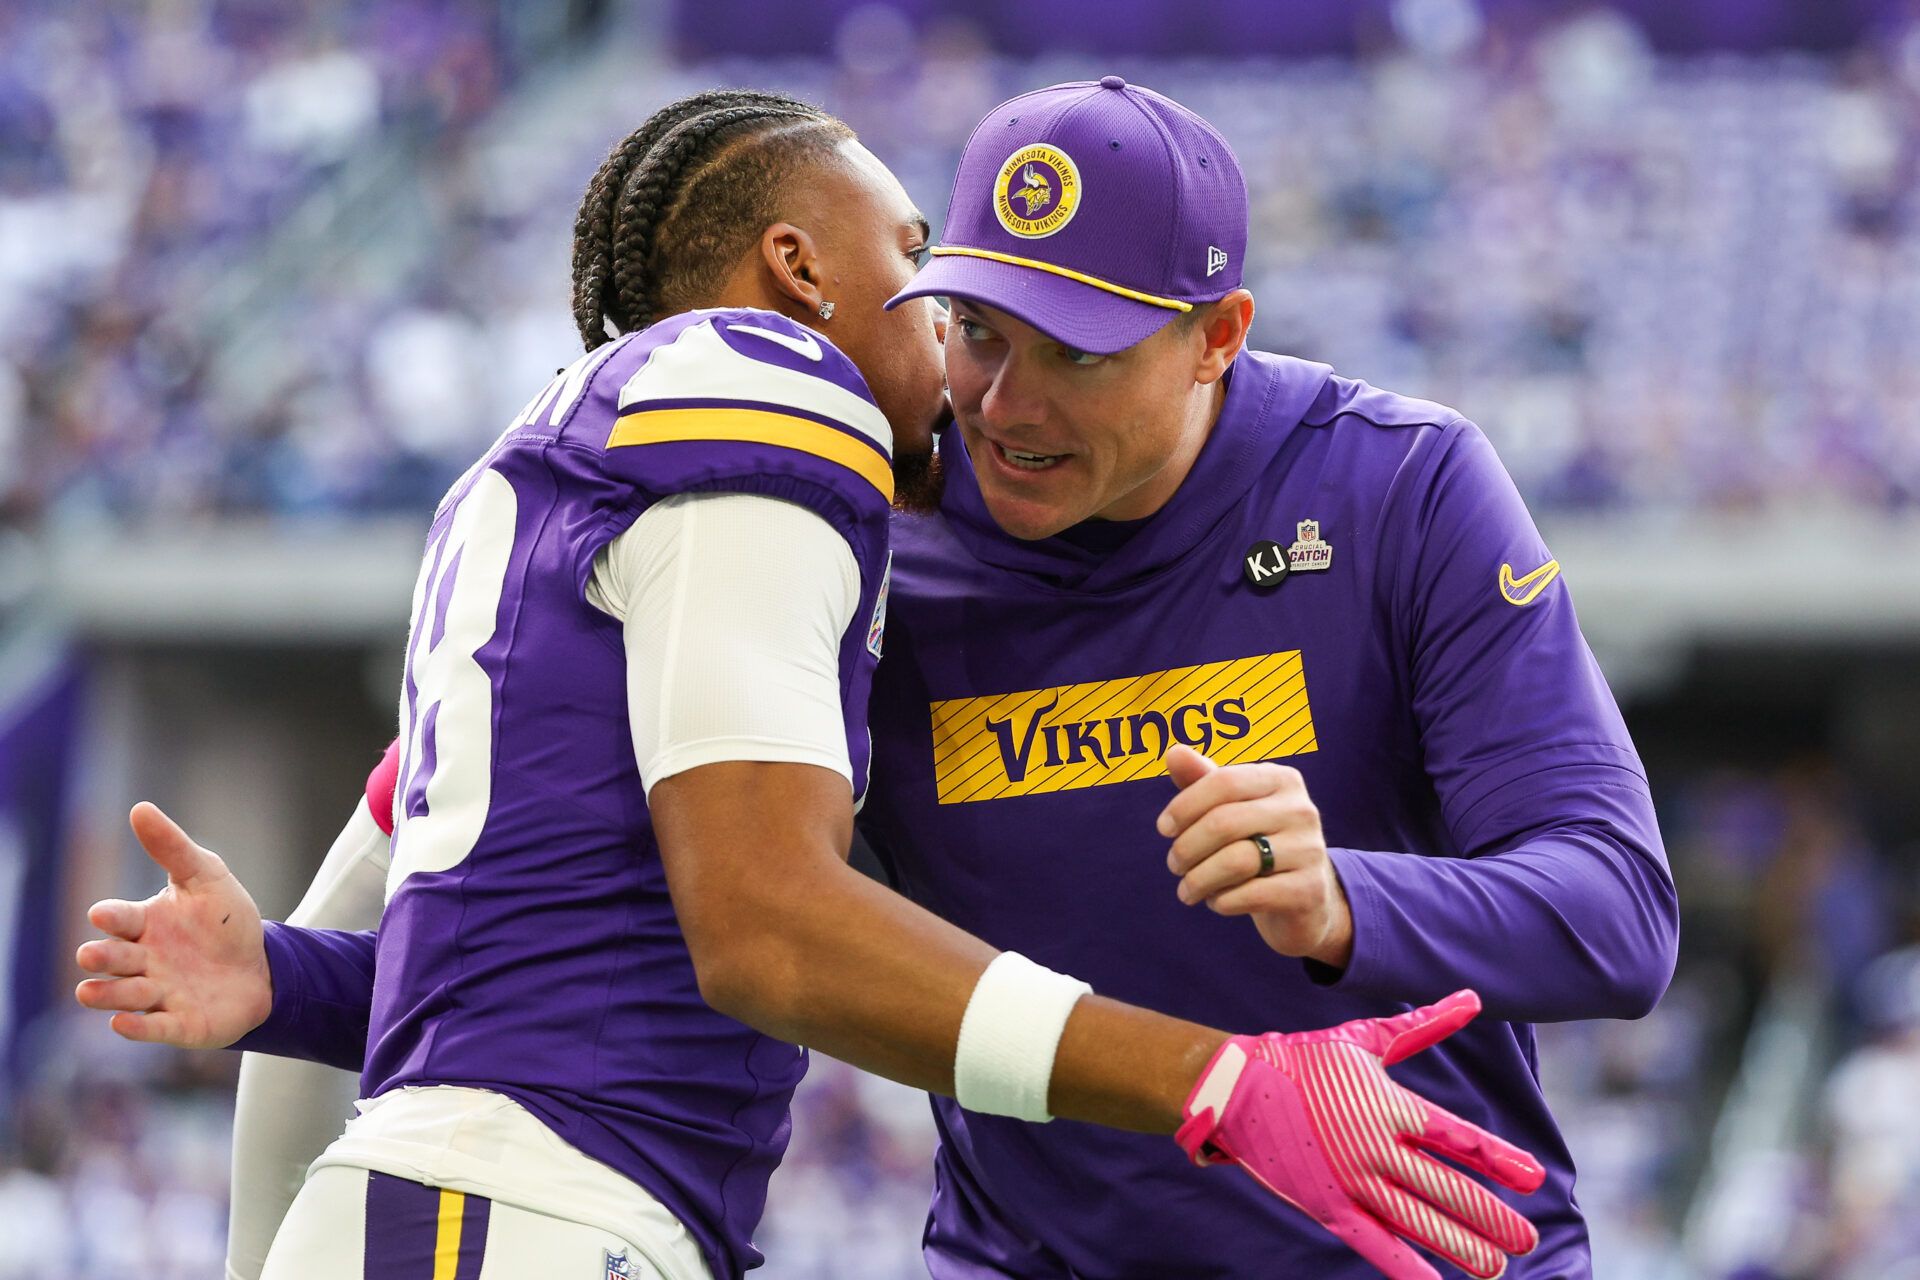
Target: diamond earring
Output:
{"points": [[826, 311]]}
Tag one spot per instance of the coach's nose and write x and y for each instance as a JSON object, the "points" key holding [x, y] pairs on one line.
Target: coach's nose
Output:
{"points": [[1013, 399]]}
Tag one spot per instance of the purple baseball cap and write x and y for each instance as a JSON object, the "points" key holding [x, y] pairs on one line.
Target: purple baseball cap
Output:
{"points": [[1095, 211]]}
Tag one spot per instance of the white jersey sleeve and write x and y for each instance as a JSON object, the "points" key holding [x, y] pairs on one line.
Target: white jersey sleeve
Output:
{"points": [[288, 1111], [734, 607]]}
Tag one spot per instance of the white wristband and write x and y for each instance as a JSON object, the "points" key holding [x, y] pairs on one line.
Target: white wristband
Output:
{"points": [[1009, 1035]]}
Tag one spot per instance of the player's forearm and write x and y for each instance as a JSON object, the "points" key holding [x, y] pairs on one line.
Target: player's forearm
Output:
{"points": [[322, 996], [858, 972], [790, 940], [1576, 921]]}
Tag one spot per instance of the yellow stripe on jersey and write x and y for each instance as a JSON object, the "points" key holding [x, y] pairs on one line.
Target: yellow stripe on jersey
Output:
{"points": [[446, 1243], [1091, 735], [755, 426]]}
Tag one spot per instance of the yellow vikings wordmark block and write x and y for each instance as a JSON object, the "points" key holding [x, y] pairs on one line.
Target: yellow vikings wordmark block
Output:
{"points": [[1107, 731]]}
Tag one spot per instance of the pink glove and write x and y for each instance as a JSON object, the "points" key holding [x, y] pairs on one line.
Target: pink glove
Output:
{"points": [[1315, 1118]]}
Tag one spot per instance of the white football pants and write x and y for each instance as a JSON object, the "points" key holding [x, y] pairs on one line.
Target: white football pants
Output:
{"points": [[354, 1224]]}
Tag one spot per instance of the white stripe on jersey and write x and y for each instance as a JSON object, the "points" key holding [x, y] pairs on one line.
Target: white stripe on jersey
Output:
{"points": [[699, 365]]}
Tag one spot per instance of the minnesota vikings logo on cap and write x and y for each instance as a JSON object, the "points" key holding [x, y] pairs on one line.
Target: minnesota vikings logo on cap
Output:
{"points": [[1038, 192]]}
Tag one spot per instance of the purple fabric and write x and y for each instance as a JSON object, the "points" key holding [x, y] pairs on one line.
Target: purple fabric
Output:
{"points": [[967, 1239], [403, 1230], [403, 1226], [322, 980], [1467, 743], [1154, 201], [441, 598]]}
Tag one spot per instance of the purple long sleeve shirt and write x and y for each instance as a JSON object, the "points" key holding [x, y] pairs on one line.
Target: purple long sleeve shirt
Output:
{"points": [[1422, 667]]}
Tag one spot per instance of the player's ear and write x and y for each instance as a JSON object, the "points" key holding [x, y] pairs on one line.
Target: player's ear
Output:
{"points": [[791, 260], [1222, 329]]}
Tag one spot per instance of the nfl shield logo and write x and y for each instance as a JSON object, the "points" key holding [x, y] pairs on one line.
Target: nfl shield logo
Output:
{"points": [[618, 1268], [1311, 552]]}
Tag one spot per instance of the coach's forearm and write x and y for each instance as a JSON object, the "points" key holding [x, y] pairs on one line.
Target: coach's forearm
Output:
{"points": [[322, 996], [795, 943], [1578, 920]]}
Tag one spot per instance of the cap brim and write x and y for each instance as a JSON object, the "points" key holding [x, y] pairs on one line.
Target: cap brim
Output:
{"points": [[1082, 316]]}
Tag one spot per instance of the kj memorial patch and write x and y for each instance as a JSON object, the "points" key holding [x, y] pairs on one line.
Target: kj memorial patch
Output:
{"points": [[1106, 731], [1038, 192]]}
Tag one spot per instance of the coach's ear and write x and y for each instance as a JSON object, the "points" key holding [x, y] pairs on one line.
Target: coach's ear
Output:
{"points": [[1220, 332], [791, 260]]}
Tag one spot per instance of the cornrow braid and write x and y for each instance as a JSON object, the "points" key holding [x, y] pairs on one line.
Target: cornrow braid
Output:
{"points": [[679, 199], [593, 228]]}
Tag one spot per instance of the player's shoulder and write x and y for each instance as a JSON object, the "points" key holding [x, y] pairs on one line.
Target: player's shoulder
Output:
{"points": [[717, 400], [729, 363]]}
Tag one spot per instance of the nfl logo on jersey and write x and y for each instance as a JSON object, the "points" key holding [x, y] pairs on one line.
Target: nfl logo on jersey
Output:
{"points": [[618, 1268]]}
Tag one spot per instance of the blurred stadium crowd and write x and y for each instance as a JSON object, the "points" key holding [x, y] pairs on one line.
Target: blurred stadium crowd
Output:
{"points": [[1660, 283], [292, 260]]}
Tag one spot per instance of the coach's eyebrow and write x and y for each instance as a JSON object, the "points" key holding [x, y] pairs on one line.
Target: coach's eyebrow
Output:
{"points": [[919, 223]]}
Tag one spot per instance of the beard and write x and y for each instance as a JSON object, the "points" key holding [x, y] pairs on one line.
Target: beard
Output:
{"points": [[918, 482]]}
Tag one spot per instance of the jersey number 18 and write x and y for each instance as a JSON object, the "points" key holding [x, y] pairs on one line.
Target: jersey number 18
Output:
{"points": [[446, 699]]}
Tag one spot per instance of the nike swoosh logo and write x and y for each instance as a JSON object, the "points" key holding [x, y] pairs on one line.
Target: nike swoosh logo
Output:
{"points": [[1521, 591], [804, 345]]}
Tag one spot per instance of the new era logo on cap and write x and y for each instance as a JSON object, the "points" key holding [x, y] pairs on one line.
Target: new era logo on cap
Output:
{"points": [[1216, 260]]}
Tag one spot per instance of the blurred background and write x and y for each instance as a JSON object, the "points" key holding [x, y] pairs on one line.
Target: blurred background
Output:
{"points": [[272, 273]]}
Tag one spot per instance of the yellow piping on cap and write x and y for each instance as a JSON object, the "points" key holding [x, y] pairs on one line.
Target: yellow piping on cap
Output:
{"points": [[1171, 304]]}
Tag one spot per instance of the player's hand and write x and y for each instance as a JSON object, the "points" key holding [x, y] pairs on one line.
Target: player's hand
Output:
{"points": [[188, 966], [1299, 906], [1315, 1119]]}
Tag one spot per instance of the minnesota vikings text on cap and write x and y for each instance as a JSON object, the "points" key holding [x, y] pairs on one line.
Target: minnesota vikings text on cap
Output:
{"points": [[1038, 192]]}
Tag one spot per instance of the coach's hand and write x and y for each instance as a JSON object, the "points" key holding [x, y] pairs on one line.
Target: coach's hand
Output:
{"points": [[1299, 906], [188, 966]]}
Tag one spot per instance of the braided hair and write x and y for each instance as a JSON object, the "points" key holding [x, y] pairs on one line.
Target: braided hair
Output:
{"points": [[681, 199]]}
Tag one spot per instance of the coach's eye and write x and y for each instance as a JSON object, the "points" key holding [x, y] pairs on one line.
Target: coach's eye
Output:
{"points": [[970, 330], [918, 257], [1074, 355]]}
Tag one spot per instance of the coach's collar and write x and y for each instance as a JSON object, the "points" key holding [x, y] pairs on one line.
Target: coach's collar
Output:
{"points": [[1266, 397]]}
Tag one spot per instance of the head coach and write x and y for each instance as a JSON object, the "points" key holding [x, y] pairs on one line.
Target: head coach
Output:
{"points": [[1323, 608]]}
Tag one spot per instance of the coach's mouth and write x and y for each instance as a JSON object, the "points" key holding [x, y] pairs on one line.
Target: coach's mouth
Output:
{"points": [[1021, 460]]}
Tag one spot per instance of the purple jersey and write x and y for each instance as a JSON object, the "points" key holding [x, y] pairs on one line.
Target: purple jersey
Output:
{"points": [[529, 945], [1417, 660]]}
